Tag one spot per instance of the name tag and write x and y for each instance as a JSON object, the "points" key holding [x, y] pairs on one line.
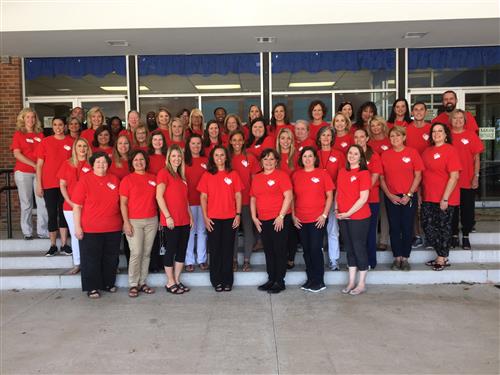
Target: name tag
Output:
{"points": [[436, 156], [151, 182], [228, 181], [315, 179], [29, 140], [353, 178], [271, 182], [406, 160], [67, 148], [111, 186]]}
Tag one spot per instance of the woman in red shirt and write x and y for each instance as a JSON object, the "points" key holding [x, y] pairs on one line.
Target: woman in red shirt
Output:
{"points": [[301, 133], [157, 151], [52, 152], [469, 148], [121, 153], [313, 191], [69, 174], [140, 220], [74, 128], [220, 198], [211, 136], [353, 213], [163, 120], [347, 109], [176, 133], [343, 136], [103, 140], [402, 175], [279, 119], [140, 141], [95, 118], [317, 112], [374, 165], [400, 114], [231, 123], [133, 121], [258, 139], [364, 115], [175, 217], [25, 142], [196, 123], [196, 164], [98, 226], [270, 203], [441, 194]]}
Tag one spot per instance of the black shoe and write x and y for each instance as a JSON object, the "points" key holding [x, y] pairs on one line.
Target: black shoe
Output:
{"points": [[466, 243], [66, 250], [52, 251], [454, 242], [306, 285], [316, 288], [266, 286], [276, 288], [27, 238]]}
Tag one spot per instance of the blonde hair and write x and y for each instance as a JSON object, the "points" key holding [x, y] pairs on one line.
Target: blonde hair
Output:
{"points": [[168, 165], [457, 111], [291, 154], [398, 129], [20, 124], [91, 112], [171, 133], [380, 120], [74, 158], [347, 120], [163, 109], [196, 112], [117, 159]]}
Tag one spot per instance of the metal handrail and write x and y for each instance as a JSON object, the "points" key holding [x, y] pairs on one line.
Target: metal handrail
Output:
{"points": [[8, 188]]}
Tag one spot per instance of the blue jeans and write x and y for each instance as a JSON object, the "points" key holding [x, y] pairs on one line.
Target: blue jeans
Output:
{"points": [[312, 243], [401, 218]]}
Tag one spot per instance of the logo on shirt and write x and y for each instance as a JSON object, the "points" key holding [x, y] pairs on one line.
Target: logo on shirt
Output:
{"points": [[271, 182], [406, 159], [245, 163], [333, 159], [315, 179], [151, 182], [111, 186], [228, 181], [425, 136], [85, 169], [436, 156], [257, 146], [344, 144], [29, 140], [353, 178], [37, 139], [300, 148], [203, 165], [67, 148], [465, 141], [384, 147]]}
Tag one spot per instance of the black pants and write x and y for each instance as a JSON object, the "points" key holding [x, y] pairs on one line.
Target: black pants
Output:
{"points": [[355, 234], [221, 247], [176, 241], [311, 239], [98, 259], [54, 203], [437, 227], [275, 249], [291, 242], [401, 218], [465, 211]]}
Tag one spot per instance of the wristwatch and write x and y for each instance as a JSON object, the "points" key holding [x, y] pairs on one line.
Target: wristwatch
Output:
{"points": [[409, 194]]}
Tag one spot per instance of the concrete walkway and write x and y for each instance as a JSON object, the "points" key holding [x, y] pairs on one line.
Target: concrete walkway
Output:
{"points": [[391, 329]]}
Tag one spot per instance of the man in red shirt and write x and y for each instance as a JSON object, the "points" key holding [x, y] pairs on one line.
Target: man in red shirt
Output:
{"points": [[449, 101]]}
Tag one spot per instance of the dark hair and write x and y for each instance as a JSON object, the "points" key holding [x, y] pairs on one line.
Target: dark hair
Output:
{"points": [[249, 108], [188, 156], [63, 119], [273, 119], [320, 133], [313, 104], [313, 150], [211, 167], [418, 103], [392, 116], [216, 109], [447, 131], [230, 146], [180, 113], [133, 155], [97, 155], [102, 129], [268, 151], [362, 160], [164, 148], [369, 150], [206, 136], [448, 92], [359, 119], [251, 137], [110, 120], [342, 105]]}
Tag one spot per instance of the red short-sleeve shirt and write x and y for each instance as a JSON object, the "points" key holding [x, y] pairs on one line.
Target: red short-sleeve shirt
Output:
{"points": [[176, 198], [470, 121], [193, 176], [71, 175], [119, 171], [380, 146], [307, 142], [246, 166], [220, 189], [399, 169], [28, 144], [268, 191], [375, 166], [467, 145], [285, 167], [343, 143], [332, 161], [53, 152], [88, 134], [314, 129], [140, 189], [418, 138], [349, 185], [156, 162], [256, 150]]}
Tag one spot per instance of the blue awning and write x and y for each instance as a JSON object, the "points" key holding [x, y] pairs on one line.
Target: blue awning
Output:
{"points": [[453, 58], [74, 67], [186, 65], [315, 62]]}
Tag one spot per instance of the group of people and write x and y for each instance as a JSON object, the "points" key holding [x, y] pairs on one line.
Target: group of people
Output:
{"points": [[177, 188]]}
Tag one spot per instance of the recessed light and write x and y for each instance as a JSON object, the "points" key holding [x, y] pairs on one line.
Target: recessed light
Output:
{"points": [[63, 90], [266, 39], [414, 35], [218, 87], [117, 43], [311, 84]]}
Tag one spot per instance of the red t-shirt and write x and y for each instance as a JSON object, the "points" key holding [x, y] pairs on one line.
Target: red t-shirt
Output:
{"points": [[128, 134], [143, 148], [208, 149], [140, 189], [284, 163], [268, 191], [108, 150], [418, 138], [403, 124], [53, 152], [156, 162], [300, 145], [119, 172], [28, 144], [274, 133], [256, 150], [225, 136], [246, 166], [181, 144], [88, 134], [310, 190], [439, 162], [176, 198], [100, 200], [314, 129], [342, 143], [166, 134], [380, 146], [375, 166], [332, 161], [467, 145], [193, 176], [349, 186], [221, 189], [399, 169], [470, 121], [71, 175]]}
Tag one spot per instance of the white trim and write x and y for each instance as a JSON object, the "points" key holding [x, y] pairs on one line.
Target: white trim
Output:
{"points": [[78, 98], [406, 70], [199, 103], [466, 89], [23, 84], [397, 69], [137, 84], [331, 92], [128, 81], [270, 84], [261, 54], [198, 94]]}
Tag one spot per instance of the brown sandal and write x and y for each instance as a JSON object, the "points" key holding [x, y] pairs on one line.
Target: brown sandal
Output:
{"points": [[204, 266], [146, 289], [246, 266], [133, 292], [189, 268]]}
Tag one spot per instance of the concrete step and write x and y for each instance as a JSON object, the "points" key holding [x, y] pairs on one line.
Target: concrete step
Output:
{"points": [[420, 274]]}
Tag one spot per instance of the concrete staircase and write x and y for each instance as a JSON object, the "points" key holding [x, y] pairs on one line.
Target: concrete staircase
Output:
{"points": [[24, 266]]}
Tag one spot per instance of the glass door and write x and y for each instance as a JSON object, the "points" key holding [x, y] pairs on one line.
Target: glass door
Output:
{"points": [[47, 110]]}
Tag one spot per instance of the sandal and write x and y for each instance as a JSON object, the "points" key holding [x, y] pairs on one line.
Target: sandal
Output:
{"points": [[111, 289], [246, 266], [438, 267], [94, 294], [146, 289], [235, 265], [183, 287], [204, 266], [133, 292], [432, 263], [174, 289], [219, 288], [228, 288], [189, 268]]}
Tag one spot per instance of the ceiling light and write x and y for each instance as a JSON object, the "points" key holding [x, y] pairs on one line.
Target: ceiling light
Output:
{"points": [[117, 43], [232, 86], [266, 39], [311, 84], [414, 35], [122, 88], [63, 90]]}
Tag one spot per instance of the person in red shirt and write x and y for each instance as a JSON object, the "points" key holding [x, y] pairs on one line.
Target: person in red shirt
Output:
{"points": [[313, 192], [175, 218], [400, 114], [258, 139], [163, 120], [25, 142], [375, 168], [74, 128], [115, 124], [52, 152], [469, 148], [254, 112], [353, 213], [69, 174], [317, 112], [176, 133], [449, 104], [417, 132], [183, 114], [133, 121], [247, 166], [196, 123], [441, 193], [301, 133], [98, 226], [220, 199], [347, 109], [140, 220], [95, 118], [343, 136], [402, 175], [279, 119], [121, 154], [157, 151], [270, 202], [211, 136], [364, 115], [232, 123], [196, 164], [103, 140], [140, 141], [332, 161]]}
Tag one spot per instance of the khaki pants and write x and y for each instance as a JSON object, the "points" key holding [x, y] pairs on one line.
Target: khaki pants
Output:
{"points": [[140, 249]]}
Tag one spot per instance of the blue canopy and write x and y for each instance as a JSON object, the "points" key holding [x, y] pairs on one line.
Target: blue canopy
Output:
{"points": [[453, 58]]}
